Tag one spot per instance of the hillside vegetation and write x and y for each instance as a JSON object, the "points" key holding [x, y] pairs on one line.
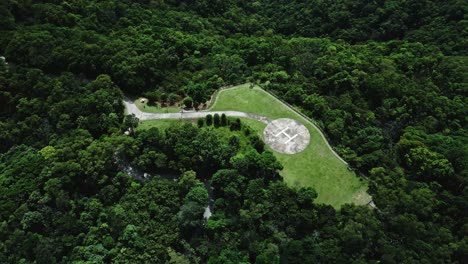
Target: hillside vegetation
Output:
{"points": [[386, 80]]}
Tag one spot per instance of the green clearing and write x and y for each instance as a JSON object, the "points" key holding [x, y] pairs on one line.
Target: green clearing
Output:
{"points": [[316, 166]]}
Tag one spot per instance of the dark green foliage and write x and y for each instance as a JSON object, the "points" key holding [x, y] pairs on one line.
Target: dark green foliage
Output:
{"points": [[223, 120], [130, 122], [152, 96], [190, 215], [234, 142], [188, 102], [257, 143], [200, 122], [172, 98], [385, 81], [209, 120], [235, 125], [216, 120]]}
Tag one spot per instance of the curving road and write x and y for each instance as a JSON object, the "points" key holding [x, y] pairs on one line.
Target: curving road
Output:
{"points": [[131, 108]]}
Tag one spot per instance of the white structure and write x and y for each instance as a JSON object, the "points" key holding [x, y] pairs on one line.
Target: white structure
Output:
{"points": [[286, 135], [207, 213], [3, 59]]}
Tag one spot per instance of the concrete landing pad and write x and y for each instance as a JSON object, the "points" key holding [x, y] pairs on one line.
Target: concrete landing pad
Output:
{"points": [[286, 135]]}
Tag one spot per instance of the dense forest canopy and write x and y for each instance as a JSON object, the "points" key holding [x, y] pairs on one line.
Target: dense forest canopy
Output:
{"points": [[385, 80]]}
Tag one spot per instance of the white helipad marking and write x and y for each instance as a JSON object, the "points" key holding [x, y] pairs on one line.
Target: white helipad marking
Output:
{"points": [[283, 132], [290, 138], [286, 135]]}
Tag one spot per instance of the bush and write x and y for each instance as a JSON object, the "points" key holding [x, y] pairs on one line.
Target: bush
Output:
{"points": [[257, 143], [172, 98], [209, 120], [234, 142], [235, 126], [164, 97], [188, 102], [153, 97], [223, 120], [200, 122], [216, 120]]}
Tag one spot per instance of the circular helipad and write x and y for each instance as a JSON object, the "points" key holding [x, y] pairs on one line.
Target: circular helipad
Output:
{"points": [[286, 136]]}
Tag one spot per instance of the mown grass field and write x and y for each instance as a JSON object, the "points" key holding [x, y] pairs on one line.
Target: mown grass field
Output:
{"points": [[162, 124], [316, 166]]}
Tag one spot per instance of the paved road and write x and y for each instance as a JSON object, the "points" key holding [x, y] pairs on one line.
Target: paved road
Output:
{"points": [[131, 108]]}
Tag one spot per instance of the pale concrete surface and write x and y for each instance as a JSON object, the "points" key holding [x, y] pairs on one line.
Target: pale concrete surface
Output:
{"points": [[286, 135]]}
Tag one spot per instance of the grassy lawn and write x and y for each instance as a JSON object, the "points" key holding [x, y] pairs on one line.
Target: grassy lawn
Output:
{"points": [[316, 166], [161, 124], [154, 108]]}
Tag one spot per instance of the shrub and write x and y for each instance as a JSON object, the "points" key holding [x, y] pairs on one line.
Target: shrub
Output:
{"points": [[188, 102], [235, 125], [223, 120], [209, 120], [216, 120], [200, 122]]}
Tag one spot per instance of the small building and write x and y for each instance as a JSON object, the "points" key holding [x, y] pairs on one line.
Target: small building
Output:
{"points": [[207, 214], [142, 100]]}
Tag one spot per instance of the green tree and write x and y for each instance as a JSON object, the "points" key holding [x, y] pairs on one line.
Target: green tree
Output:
{"points": [[33, 221], [236, 125], [152, 96], [269, 255], [316, 104], [428, 165], [257, 143], [216, 120], [209, 120], [188, 102], [131, 122], [190, 215], [200, 122], [172, 98], [187, 182], [223, 120]]}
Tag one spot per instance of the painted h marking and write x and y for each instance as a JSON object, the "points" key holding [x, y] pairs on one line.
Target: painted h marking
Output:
{"points": [[283, 132], [290, 138], [287, 135]]}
